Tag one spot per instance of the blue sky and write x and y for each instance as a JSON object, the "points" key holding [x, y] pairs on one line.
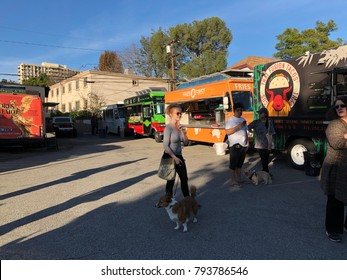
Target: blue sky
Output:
{"points": [[76, 32]]}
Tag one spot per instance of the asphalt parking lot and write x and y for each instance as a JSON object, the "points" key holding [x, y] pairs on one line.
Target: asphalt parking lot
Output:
{"points": [[94, 199]]}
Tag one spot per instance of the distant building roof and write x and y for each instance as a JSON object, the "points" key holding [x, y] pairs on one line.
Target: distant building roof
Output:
{"points": [[249, 63]]}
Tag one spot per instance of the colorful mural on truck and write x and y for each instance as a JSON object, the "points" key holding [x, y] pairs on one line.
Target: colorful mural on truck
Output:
{"points": [[297, 93]]}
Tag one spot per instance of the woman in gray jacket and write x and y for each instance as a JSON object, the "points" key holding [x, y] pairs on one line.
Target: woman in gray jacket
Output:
{"points": [[174, 136], [334, 171]]}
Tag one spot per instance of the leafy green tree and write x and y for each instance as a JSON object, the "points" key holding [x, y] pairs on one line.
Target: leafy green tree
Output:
{"points": [[110, 61], [199, 48], [202, 47], [151, 57], [294, 43], [41, 80]]}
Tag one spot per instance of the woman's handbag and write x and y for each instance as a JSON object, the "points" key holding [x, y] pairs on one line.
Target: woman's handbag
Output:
{"points": [[166, 169]]}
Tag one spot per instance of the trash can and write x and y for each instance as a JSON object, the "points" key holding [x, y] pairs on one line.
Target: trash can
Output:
{"points": [[312, 163], [102, 133]]}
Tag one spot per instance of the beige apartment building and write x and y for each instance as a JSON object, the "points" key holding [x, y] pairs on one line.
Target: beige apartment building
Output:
{"points": [[56, 72], [79, 92]]}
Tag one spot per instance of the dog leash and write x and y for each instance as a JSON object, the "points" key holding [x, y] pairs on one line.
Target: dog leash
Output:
{"points": [[174, 194]]}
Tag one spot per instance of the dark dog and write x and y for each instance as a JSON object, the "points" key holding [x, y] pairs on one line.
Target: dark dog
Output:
{"points": [[259, 177]]}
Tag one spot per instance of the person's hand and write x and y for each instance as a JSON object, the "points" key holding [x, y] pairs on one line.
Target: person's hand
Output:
{"points": [[243, 124], [177, 161], [181, 128]]}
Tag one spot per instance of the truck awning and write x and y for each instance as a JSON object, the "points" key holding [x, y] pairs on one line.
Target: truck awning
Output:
{"points": [[50, 104]]}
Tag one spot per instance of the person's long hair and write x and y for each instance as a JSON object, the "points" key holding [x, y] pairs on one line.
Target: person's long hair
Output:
{"points": [[331, 113]]}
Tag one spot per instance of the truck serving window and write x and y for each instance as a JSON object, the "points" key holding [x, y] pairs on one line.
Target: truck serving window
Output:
{"points": [[341, 84], [244, 97]]}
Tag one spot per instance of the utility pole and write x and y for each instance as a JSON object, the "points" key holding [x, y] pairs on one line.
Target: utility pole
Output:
{"points": [[170, 50]]}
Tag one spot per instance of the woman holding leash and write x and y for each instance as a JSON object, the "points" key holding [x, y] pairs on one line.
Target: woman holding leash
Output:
{"points": [[174, 135], [334, 176]]}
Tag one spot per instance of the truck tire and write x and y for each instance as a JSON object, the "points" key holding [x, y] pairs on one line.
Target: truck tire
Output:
{"points": [[296, 151]]}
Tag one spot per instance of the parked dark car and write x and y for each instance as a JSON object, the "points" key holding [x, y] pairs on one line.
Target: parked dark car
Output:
{"points": [[64, 126]]}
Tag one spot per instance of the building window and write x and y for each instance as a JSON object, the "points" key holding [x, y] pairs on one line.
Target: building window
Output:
{"points": [[63, 89], [77, 84], [85, 104], [63, 108], [85, 82], [77, 105], [69, 87], [70, 107]]}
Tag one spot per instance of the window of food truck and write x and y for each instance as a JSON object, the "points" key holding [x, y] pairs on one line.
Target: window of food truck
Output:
{"points": [[204, 112], [243, 97], [341, 84]]}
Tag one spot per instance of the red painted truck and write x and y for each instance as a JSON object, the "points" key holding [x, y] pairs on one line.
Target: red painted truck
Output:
{"points": [[21, 118]]}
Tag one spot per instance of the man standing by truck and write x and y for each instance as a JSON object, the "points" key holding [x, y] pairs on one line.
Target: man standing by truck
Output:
{"points": [[236, 129], [94, 124]]}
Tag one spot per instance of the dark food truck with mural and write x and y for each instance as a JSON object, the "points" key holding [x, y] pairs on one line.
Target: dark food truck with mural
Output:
{"points": [[297, 93]]}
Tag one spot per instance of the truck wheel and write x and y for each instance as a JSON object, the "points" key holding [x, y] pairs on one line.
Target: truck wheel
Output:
{"points": [[296, 151], [136, 136], [157, 137]]}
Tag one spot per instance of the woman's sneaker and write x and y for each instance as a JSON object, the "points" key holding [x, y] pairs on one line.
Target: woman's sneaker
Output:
{"points": [[334, 237]]}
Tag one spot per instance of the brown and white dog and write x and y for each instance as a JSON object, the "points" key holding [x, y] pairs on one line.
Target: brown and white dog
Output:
{"points": [[180, 211], [259, 177]]}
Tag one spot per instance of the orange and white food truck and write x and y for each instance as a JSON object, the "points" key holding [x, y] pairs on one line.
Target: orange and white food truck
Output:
{"points": [[207, 105]]}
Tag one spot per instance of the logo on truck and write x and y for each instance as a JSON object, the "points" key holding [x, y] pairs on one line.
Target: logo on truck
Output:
{"points": [[280, 88], [194, 92]]}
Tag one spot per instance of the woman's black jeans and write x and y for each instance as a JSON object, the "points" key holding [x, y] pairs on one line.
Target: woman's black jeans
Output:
{"points": [[334, 218], [181, 170]]}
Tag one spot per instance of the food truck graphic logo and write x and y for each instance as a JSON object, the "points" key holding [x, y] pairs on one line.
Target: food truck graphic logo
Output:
{"points": [[17, 117], [194, 93], [279, 88]]}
